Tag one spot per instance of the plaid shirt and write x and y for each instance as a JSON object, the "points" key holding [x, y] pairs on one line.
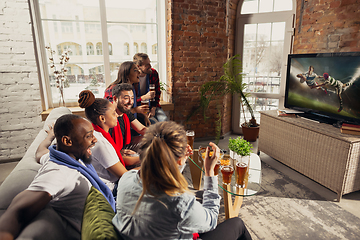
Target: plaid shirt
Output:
{"points": [[152, 78], [108, 93]]}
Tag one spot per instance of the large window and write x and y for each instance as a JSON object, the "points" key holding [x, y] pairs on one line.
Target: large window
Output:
{"points": [[264, 35], [100, 29]]}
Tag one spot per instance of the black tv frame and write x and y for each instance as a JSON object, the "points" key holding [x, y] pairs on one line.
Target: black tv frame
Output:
{"points": [[316, 114]]}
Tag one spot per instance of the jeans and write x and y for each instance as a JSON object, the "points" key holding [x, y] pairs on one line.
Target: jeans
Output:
{"points": [[230, 229]]}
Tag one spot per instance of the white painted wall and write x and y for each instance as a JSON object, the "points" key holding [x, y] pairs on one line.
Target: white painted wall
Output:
{"points": [[20, 103]]}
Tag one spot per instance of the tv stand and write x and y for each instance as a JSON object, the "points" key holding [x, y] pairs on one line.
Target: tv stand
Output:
{"points": [[317, 150], [318, 118]]}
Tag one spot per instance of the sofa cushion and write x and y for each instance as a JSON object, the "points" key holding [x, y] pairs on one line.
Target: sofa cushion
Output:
{"points": [[49, 225], [24, 172], [97, 218]]}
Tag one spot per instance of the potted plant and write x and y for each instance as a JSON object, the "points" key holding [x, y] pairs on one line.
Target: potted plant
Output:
{"points": [[230, 82], [239, 146]]}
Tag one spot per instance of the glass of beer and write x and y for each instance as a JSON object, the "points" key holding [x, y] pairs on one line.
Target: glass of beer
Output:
{"points": [[145, 102], [152, 89], [190, 134], [217, 168], [227, 172], [241, 169]]}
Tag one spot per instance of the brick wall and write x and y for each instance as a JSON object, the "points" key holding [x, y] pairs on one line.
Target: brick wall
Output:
{"points": [[327, 26], [198, 47], [19, 86]]}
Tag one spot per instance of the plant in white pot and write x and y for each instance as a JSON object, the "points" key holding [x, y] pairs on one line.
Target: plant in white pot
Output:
{"points": [[239, 147]]}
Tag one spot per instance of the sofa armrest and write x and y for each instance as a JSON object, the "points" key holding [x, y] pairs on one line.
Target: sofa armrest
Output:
{"points": [[24, 172]]}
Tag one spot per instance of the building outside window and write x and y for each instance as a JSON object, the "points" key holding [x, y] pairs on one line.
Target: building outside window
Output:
{"points": [[154, 49], [89, 49], [85, 23], [99, 48], [110, 49], [66, 27], [144, 48], [264, 34], [126, 49], [136, 47]]}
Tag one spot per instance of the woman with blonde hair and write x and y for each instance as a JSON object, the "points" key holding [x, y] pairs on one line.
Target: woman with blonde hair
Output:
{"points": [[155, 203]]}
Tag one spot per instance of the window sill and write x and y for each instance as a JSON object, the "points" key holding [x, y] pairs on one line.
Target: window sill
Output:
{"points": [[166, 106], [75, 110]]}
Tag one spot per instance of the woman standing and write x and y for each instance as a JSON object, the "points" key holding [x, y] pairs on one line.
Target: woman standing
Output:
{"points": [[154, 203]]}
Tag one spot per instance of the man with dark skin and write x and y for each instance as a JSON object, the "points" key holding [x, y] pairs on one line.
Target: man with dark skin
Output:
{"points": [[74, 137]]}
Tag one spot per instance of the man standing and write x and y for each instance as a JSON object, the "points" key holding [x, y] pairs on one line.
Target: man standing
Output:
{"points": [[63, 182], [147, 77], [123, 97]]}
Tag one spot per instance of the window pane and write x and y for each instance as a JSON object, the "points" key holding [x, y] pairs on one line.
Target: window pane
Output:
{"points": [[281, 5], [132, 27], [80, 77], [266, 6], [278, 31], [120, 35], [264, 31], [250, 6], [250, 32], [262, 56], [85, 10], [260, 6], [139, 11], [79, 31]]}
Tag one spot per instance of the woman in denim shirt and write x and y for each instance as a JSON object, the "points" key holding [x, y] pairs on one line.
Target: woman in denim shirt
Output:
{"points": [[155, 203]]}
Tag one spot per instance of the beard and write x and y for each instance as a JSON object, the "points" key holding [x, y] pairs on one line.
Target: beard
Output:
{"points": [[147, 71], [86, 159], [123, 109]]}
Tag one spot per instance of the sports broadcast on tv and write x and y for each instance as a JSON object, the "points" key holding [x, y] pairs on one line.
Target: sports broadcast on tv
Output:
{"points": [[324, 83]]}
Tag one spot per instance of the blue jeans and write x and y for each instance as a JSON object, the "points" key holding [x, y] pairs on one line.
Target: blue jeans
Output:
{"points": [[160, 116]]}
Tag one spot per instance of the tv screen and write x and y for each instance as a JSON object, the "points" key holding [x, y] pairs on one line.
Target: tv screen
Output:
{"points": [[325, 86]]}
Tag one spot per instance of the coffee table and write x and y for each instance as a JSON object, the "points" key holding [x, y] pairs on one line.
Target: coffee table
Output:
{"points": [[232, 208]]}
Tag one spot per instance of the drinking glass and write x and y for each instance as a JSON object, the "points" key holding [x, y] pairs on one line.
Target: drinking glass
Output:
{"points": [[145, 102], [190, 134], [227, 172], [152, 89], [241, 170]]}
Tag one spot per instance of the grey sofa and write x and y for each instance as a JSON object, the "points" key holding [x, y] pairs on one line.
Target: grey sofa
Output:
{"points": [[48, 224]]}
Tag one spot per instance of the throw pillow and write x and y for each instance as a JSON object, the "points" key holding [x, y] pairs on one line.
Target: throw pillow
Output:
{"points": [[96, 223]]}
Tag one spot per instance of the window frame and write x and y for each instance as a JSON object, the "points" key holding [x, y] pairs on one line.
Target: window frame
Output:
{"points": [[278, 16], [42, 61]]}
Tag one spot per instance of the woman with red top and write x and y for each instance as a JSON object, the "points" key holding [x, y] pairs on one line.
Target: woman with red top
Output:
{"points": [[106, 156]]}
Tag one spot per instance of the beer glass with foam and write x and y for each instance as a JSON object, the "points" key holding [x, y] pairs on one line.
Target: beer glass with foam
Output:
{"points": [[241, 170]]}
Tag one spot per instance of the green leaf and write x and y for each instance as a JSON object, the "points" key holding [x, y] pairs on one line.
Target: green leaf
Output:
{"points": [[240, 146]]}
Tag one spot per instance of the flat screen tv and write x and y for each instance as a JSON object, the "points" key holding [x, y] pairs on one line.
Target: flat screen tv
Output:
{"points": [[325, 86]]}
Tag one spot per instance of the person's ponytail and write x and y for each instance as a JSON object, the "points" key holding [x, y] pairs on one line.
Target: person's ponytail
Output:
{"points": [[163, 145]]}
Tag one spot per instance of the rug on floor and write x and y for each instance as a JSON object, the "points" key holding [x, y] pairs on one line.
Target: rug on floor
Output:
{"points": [[286, 209]]}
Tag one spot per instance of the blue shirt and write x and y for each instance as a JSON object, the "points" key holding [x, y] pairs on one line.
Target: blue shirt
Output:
{"points": [[165, 217]]}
